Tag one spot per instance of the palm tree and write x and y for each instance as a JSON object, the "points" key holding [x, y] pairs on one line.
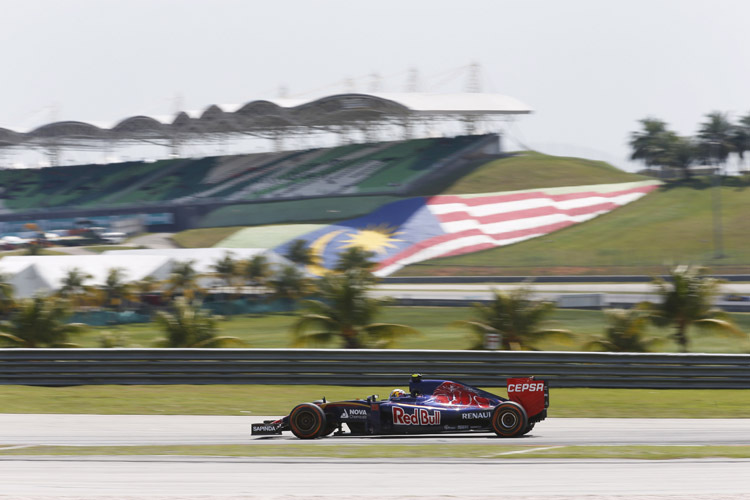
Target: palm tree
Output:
{"points": [[515, 318], [625, 333], [682, 153], [651, 144], [115, 289], [7, 299], [74, 285], [144, 288], [190, 326], [355, 258], [226, 268], [40, 322], [256, 270], [741, 138], [715, 137], [290, 284], [183, 280], [146, 285], [345, 312], [299, 253], [686, 300]]}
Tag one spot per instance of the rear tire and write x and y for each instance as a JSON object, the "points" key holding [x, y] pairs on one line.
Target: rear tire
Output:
{"points": [[509, 419], [528, 429], [307, 421]]}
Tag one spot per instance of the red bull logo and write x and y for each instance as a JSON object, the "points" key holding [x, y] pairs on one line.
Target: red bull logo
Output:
{"points": [[421, 416]]}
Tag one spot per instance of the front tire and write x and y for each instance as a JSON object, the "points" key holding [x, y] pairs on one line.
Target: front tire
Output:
{"points": [[307, 421], [509, 420]]}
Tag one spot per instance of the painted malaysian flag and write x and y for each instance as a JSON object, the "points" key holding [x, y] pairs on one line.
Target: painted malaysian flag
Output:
{"points": [[419, 229]]}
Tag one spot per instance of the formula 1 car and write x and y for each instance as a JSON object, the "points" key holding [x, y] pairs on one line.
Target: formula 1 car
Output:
{"points": [[430, 407]]}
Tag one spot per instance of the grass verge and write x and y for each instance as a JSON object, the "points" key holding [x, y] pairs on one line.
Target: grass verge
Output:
{"points": [[333, 449], [438, 331], [279, 400]]}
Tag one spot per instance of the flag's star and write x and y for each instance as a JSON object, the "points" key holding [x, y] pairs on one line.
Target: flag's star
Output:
{"points": [[377, 239]]}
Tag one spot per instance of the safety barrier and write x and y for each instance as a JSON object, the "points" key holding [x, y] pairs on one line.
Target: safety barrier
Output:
{"points": [[631, 278], [61, 367]]}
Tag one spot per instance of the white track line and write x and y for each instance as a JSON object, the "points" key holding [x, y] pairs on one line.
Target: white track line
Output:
{"points": [[526, 451]]}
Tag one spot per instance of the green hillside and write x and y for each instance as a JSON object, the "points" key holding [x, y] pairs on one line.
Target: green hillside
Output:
{"points": [[530, 170], [670, 226]]}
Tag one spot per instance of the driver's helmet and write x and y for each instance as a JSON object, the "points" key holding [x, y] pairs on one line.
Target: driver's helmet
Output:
{"points": [[397, 393]]}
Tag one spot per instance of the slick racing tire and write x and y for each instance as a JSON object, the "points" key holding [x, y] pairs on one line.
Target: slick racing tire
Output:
{"points": [[528, 429], [509, 419], [307, 421]]}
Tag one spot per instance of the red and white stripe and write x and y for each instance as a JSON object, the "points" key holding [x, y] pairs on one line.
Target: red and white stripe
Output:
{"points": [[473, 223]]}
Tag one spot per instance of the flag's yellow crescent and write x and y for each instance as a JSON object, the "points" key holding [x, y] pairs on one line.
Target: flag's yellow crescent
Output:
{"points": [[317, 247]]}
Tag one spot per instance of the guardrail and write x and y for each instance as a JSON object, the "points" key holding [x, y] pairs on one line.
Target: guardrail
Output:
{"points": [[61, 367], [631, 278], [621, 302]]}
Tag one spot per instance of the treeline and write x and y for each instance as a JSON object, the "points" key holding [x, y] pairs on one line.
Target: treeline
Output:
{"points": [[175, 304], [339, 309], [335, 307], [718, 138]]}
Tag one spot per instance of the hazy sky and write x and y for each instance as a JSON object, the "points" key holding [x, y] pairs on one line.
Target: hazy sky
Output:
{"points": [[589, 68]]}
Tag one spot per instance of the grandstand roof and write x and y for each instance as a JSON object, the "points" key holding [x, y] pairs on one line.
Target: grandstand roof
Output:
{"points": [[268, 117], [434, 104]]}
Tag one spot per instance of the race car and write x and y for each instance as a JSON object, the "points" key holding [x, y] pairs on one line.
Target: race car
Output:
{"points": [[430, 407]]}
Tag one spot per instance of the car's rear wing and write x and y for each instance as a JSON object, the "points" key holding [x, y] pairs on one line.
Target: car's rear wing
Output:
{"points": [[530, 393]]}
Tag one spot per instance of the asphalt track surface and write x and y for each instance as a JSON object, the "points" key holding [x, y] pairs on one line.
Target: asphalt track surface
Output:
{"points": [[549, 287], [123, 430], [152, 477], [203, 478]]}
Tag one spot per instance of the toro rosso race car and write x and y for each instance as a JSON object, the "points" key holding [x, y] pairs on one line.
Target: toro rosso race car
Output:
{"points": [[430, 407]]}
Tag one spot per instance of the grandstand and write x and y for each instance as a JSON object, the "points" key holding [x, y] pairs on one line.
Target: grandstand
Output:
{"points": [[188, 188], [382, 168], [390, 168]]}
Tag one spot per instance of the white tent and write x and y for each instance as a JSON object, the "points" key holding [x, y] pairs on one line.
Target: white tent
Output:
{"points": [[204, 258], [24, 277], [30, 275]]}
